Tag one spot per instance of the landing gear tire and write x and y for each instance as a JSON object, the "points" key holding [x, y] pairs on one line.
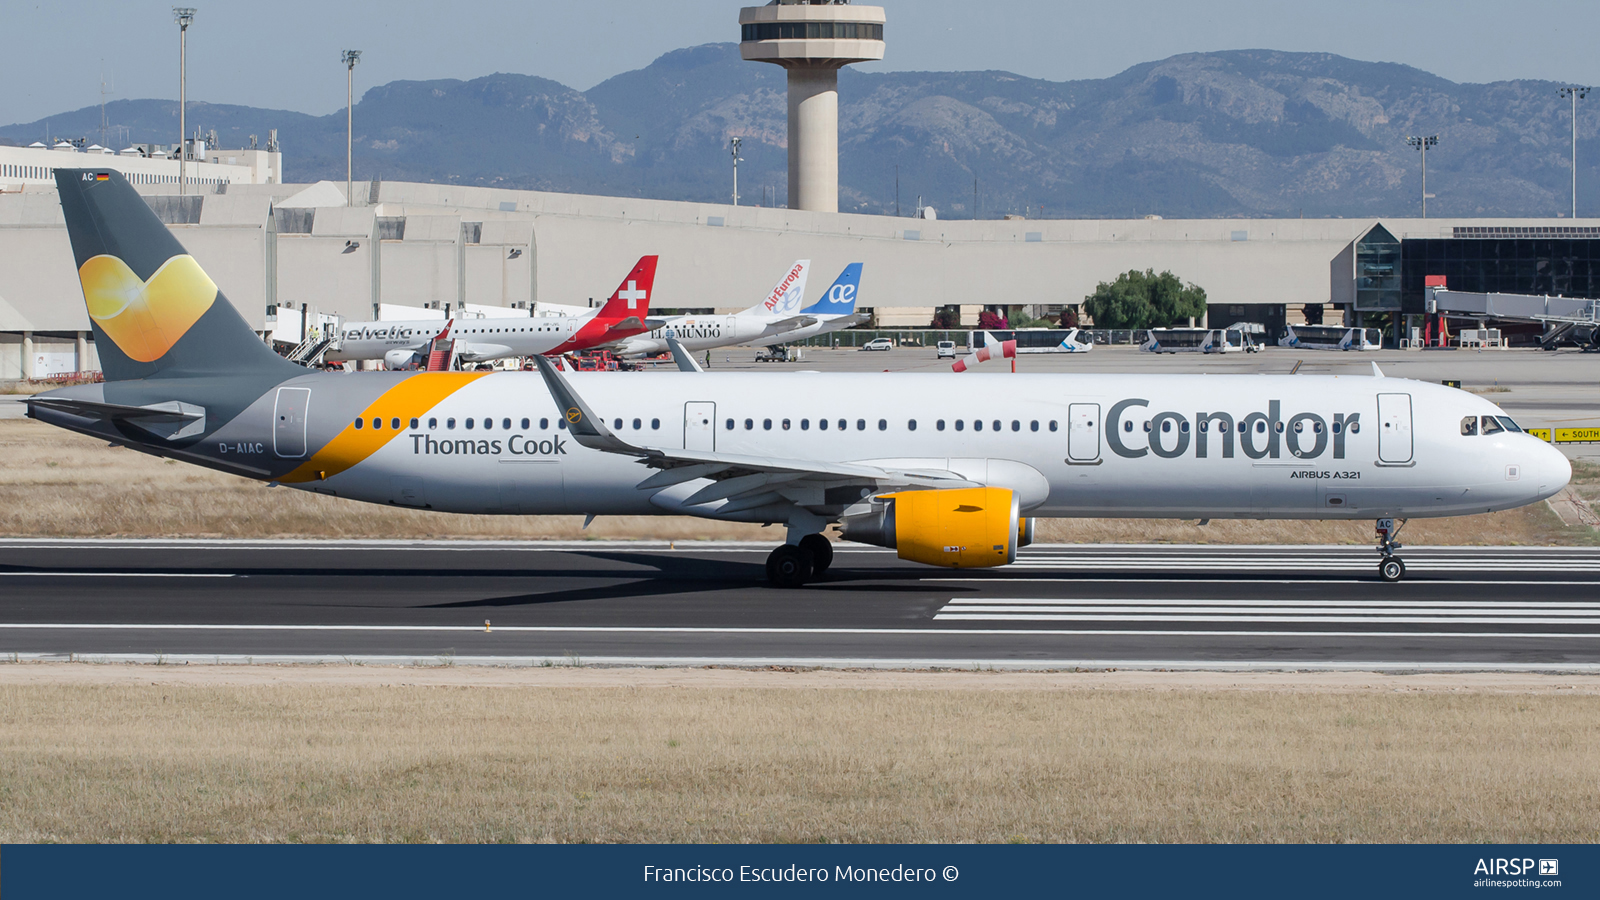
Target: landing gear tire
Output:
{"points": [[789, 566], [821, 550], [1392, 569]]}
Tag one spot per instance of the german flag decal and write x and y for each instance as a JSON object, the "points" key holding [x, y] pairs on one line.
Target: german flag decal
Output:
{"points": [[102, 176]]}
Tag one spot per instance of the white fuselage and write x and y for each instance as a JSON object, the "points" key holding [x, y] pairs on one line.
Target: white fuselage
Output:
{"points": [[700, 333], [477, 340], [1070, 445]]}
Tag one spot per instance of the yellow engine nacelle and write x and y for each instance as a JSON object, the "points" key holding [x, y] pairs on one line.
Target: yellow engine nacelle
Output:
{"points": [[961, 528]]}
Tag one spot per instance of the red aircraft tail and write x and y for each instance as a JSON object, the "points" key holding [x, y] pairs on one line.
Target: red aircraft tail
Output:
{"points": [[632, 296]]}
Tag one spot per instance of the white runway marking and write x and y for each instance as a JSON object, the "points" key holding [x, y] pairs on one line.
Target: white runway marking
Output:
{"points": [[55, 574], [689, 629], [1274, 611], [818, 662]]}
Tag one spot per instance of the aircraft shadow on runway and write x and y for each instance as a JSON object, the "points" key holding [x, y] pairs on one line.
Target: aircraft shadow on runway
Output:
{"points": [[676, 575]]}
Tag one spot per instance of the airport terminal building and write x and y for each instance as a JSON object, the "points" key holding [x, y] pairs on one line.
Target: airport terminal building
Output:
{"points": [[307, 249]]}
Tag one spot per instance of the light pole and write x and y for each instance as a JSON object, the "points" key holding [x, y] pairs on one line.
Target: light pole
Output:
{"points": [[736, 142], [1576, 93], [184, 15], [1423, 143], [349, 58]]}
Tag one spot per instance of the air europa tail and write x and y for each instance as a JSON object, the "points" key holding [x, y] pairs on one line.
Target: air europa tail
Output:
{"points": [[840, 298], [785, 297], [154, 311]]}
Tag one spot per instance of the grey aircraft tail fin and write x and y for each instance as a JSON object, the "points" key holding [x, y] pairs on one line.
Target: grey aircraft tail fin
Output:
{"points": [[154, 311]]}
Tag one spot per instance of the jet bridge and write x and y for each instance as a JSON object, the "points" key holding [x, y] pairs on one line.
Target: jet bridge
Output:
{"points": [[1564, 318]]}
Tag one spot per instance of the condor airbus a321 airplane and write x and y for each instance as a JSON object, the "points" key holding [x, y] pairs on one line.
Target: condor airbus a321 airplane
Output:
{"points": [[950, 470], [404, 344]]}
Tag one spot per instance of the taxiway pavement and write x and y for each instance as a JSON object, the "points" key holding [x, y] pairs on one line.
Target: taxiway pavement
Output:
{"points": [[1517, 609]]}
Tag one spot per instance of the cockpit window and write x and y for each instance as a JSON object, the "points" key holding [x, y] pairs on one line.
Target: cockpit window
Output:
{"points": [[1492, 425], [1510, 425], [1469, 426]]}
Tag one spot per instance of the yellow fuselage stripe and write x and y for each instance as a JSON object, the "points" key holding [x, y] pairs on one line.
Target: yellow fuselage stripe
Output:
{"points": [[413, 397]]}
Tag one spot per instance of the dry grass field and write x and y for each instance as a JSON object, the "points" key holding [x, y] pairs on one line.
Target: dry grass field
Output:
{"points": [[834, 759], [54, 483]]}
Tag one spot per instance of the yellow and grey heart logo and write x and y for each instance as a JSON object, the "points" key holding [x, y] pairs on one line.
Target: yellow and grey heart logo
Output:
{"points": [[145, 318]]}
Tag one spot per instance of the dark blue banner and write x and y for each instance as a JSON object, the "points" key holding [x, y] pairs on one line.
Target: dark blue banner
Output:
{"points": [[343, 872]]}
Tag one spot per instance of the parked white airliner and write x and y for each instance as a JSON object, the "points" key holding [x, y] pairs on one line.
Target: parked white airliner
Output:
{"points": [[403, 344], [777, 313], [948, 470], [834, 311]]}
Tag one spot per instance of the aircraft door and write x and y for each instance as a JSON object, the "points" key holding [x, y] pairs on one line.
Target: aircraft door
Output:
{"points": [[1083, 432], [1394, 428], [699, 425], [289, 422]]}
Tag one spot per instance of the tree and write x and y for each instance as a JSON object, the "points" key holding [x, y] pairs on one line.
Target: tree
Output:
{"points": [[1069, 317], [992, 321], [1144, 300], [946, 317]]}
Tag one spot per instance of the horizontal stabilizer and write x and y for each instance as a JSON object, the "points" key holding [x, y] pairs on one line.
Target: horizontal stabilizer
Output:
{"points": [[171, 420]]}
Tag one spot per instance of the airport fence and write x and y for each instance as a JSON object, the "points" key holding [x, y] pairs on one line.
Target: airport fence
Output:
{"points": [[927, 337]]}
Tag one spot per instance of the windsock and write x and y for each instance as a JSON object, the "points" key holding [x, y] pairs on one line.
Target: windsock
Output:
{"points": [[1006, 349]]}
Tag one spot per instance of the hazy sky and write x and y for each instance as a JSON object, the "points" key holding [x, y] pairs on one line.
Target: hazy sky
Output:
{"points": [[285, 53]]}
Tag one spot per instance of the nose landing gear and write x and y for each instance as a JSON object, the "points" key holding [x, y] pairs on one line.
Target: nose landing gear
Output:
{"points": [[1391, 568], [792, 565]]}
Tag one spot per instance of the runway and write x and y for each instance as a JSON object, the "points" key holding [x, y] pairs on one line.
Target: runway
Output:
{"points": [[628, 603]]}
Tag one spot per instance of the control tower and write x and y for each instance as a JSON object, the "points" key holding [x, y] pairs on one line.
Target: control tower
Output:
{"points": [[813, 39]]}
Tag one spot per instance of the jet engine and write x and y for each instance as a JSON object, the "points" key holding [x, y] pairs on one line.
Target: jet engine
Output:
{"points": [[961, 528], [398, 360]]}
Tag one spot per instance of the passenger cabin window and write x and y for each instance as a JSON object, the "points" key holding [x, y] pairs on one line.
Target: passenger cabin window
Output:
{"points": [[1034, 425], [749, 424], [450, 424], [911, 425], [432, 423], [805, 424], [1469, 426], [843, 425], [544, 424], [766, 424], [506, 424], [637, 424], [469, 424], [525, 424], [360, 424], [395, 423], [729, 425], [960, 424], [377, 423], [1053, 424], [883, 424], [785, 424], [861, 424], [413, 424], [822, 424], [939, 425], [655, 424]]}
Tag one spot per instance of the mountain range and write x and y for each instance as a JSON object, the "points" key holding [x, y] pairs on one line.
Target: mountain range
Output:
{"points": [[1248, 133]]}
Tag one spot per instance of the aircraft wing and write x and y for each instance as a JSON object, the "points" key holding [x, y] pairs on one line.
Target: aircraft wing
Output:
{"points": [[791, 323], [743, 482]]}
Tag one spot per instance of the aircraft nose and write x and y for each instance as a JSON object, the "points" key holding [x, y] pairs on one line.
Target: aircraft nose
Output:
{"points": [[1553, 468]]}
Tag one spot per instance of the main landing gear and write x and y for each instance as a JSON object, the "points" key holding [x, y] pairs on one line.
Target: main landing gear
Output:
{"points": [[1391, 568], [792, 565]]}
